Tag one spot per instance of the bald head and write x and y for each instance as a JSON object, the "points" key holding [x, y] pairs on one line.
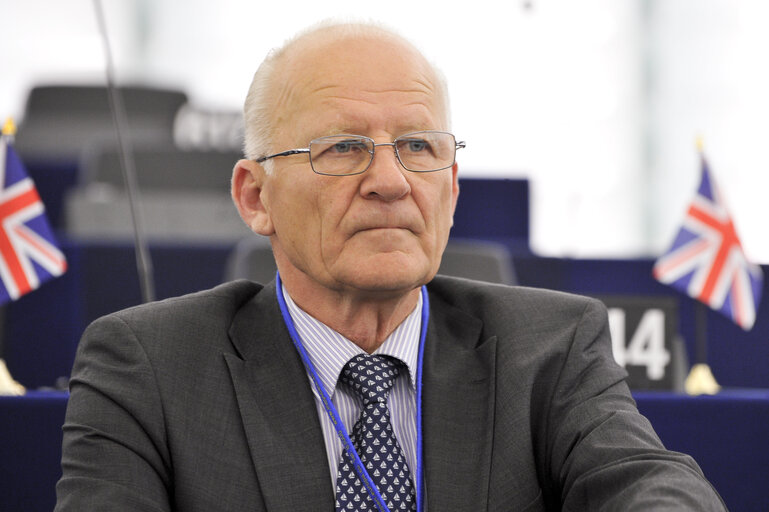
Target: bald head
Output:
{"points": [[313, 60]]}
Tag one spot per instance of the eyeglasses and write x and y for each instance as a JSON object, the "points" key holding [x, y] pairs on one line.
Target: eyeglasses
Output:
{"points": [[345, 155]]}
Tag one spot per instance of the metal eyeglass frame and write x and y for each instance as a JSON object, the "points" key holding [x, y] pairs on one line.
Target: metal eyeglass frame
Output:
{"points": [[458, 145]]}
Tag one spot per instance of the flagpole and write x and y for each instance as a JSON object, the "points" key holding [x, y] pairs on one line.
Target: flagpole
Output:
{"points": [[8, 386], [700, 380], [8, 131]]}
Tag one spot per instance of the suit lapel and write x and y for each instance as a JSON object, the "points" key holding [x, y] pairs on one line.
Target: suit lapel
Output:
{"points": [[458, 411], [278, 410]]}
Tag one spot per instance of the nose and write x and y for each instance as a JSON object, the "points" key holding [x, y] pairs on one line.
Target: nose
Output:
{"points": [[385, 178]]}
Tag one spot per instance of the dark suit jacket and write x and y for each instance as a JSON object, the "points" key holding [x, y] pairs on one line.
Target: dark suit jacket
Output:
{"points": [[201, 403]]}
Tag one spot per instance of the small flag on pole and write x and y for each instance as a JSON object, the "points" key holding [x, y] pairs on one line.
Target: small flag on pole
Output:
{"points": [[28, 252], [707, 262]]}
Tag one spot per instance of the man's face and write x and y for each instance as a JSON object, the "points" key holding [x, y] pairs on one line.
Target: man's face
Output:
{"points": [[380, 231]]}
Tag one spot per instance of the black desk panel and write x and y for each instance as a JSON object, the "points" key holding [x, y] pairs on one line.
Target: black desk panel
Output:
{"points": [[30, 450], [725, 433]]}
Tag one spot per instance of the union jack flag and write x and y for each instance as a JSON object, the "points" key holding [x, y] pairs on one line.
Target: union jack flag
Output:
{"points": [[707, 262], [28, 253]]}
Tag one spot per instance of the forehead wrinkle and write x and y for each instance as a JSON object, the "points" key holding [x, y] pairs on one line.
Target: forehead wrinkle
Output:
{"points": [[422, 83], [329, 101], [322, 88], [424, 89], [421, 112]]}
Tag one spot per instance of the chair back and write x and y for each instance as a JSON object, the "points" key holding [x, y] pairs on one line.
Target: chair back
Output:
{"points": [[184, 196], [251, 259], [480, 260], [61, 120]]}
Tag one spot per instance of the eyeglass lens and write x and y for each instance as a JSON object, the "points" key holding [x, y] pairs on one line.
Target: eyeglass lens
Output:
{"points": [[345, 154]]}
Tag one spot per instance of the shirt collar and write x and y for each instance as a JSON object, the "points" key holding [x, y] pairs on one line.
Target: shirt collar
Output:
{"points": [[329, 351]]}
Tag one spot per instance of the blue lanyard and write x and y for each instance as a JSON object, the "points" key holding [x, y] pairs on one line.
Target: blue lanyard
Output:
{"points": [[333, 414]]}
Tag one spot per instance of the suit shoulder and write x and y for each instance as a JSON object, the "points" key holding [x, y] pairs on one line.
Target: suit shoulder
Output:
{"points": [[218, 304], [488, 300], [172, 331]]}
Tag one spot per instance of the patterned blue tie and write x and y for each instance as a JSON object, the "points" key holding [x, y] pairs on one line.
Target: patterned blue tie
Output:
{"points": [[371, 377]]}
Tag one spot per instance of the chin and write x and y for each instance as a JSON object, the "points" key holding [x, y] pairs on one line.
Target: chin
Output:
{"points": [[393, 278], [398, 270]]}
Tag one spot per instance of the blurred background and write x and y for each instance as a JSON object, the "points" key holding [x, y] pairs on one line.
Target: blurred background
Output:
{"points": [[581, 120], [598, 102]]}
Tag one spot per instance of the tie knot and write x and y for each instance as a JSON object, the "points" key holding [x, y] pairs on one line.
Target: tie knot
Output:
{"points": [[370, 376]]}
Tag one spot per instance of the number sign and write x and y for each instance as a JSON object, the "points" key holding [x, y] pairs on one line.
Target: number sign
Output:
{"points": [[645, 341]]}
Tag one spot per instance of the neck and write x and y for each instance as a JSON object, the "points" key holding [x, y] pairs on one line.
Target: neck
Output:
{"points": [[365, 319]]}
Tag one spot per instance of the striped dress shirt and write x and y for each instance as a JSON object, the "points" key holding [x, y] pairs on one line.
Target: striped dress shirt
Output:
{"points": [[329, 351]]}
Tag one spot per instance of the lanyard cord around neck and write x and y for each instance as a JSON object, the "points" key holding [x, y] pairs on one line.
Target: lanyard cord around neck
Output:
{"points": [[333, 414]]}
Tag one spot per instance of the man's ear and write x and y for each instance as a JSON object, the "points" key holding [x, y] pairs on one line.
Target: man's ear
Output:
{"points": [[248, 180], [454, 190]]}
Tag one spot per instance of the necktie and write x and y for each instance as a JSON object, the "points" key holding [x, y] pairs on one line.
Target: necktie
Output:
{"points": [[371, 377]]}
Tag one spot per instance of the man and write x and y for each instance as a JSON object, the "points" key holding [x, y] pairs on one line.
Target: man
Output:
{"points": [[250, 397]]}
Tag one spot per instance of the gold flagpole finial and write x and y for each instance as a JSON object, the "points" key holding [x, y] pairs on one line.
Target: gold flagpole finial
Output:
{"points": [[8, 386], [700, 143], [9, 127], [700, 381]]}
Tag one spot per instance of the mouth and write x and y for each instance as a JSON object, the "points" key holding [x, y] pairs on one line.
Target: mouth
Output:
{"points": [[384, 221], [378, 228], [383, 230]]}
